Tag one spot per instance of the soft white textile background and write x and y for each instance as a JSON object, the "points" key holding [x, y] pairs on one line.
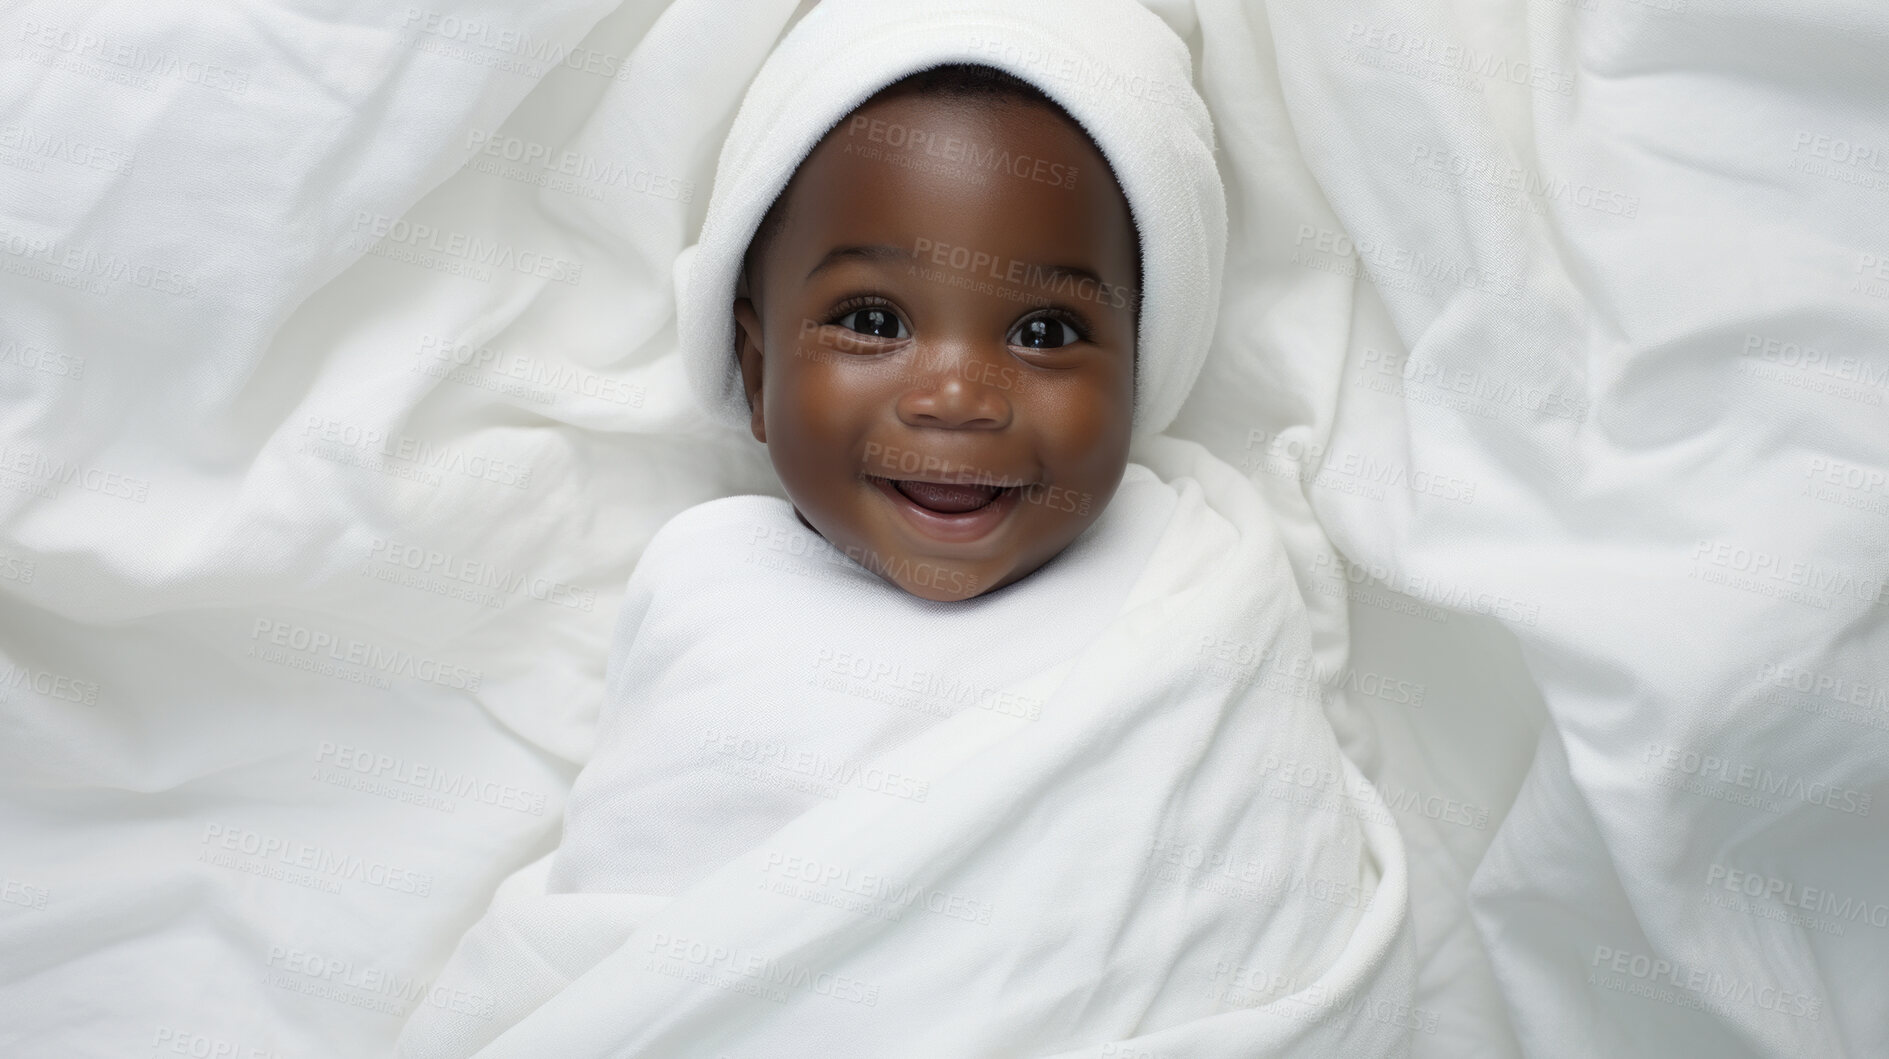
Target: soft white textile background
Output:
{"points": [[1667, 204], [304, 620]]}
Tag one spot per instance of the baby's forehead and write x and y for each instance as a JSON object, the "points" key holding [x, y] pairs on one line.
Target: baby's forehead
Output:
{"points": [[928, 145]]}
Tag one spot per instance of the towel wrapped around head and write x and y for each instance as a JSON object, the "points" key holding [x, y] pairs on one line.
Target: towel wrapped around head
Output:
{"points": [[1112, 64]]}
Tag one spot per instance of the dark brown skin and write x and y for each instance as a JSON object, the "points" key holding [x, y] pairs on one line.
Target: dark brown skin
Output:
{"points": [[871, 368]]}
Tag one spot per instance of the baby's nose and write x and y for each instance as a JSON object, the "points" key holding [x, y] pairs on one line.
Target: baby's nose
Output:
{"points": [[957, 385]]}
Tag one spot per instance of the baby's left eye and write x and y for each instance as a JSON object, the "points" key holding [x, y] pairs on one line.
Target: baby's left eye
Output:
{"points": [[1044, 332], [876, 321]]}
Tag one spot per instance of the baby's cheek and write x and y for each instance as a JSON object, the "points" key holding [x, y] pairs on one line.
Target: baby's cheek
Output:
{"points": [[799, 410], [1095, 456], [834, 384]]}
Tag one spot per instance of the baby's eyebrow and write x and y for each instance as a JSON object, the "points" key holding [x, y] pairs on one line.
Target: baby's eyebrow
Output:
{"points": [[870, 252]]}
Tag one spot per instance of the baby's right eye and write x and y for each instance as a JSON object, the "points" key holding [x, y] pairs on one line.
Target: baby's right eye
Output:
{"points": [[877, 321]]}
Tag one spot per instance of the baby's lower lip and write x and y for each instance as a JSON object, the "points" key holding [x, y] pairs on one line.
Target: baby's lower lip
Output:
{"points": [[953, 527]]}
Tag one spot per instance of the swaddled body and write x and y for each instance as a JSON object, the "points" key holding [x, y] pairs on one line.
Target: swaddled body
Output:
{"points": [[761, 673], [1132, 833]]}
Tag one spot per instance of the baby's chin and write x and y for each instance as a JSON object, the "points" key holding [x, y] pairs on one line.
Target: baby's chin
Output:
{"points": [[944, 587], [937, 580], [941, 581]]}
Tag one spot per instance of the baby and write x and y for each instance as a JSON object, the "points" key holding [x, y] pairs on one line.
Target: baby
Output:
{"points": [[989, 739], [942, 432], [936, 332]]}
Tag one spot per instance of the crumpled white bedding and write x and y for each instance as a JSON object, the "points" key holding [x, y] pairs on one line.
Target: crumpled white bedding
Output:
{"points": [[336, 359], [1631, 262]]}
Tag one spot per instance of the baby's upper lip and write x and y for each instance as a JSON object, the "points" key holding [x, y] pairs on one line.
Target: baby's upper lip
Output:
{"points": [[969, 478]]}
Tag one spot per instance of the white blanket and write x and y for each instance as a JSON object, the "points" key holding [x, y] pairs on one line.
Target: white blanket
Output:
{"points": [[1098, 809], [236, 391], [1624, 392]]}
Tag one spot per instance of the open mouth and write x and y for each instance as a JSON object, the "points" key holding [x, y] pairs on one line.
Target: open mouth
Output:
{"points": [[947, 499], [947, 511]]}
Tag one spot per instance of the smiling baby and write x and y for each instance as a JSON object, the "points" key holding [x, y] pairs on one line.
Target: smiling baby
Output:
{"points": [[947, 437], [976, 741], [937, 336]]}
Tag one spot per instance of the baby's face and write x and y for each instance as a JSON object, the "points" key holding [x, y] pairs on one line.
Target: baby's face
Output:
{"points": [[942, 359]]}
